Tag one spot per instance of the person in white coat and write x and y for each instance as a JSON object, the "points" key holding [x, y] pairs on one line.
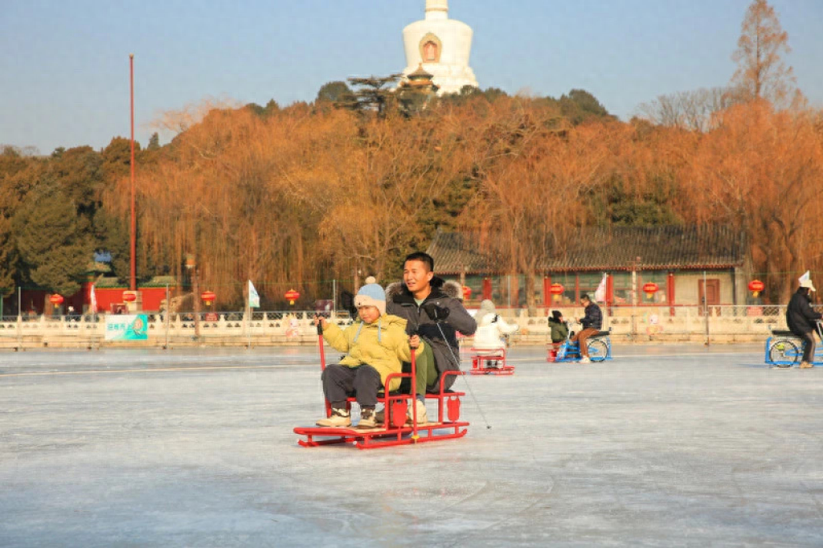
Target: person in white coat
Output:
{"points": [[488, 340]]}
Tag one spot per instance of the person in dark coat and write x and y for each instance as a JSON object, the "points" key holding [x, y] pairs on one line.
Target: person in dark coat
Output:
{"points": [[800, 318], [592, 323], [559, 332], [559, 329], [434, 311]]}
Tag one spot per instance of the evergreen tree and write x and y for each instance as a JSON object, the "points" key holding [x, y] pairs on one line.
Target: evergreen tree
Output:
{"points": [[154, 142], [112, 234], [264, 112], [493, 94], [333, 92], [55, 252], [13, 188], [372, 94], [580, 106]]}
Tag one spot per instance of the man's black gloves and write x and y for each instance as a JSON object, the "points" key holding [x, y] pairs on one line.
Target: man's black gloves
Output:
{"points": [[435, 312], [347, 302]]}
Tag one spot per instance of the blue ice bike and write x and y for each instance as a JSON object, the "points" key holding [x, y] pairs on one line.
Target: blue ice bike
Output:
{"points": [[599, 345], [785, 349]]}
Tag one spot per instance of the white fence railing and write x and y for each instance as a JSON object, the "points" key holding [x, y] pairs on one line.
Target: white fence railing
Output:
{"points": [[678, 323], [629, 324]]}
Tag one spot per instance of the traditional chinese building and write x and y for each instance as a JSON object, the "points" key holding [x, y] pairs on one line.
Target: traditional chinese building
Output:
{"points": [[683, 263]]}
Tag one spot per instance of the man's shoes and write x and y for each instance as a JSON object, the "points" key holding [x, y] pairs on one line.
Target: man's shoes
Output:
{"points": [[380, 416], [492, 365], [421, 413], [340, 418], [584, 359], [367, 418], [806, 365]]}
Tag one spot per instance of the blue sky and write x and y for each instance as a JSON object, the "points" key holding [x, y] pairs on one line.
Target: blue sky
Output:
{"points": [[64, 64]]}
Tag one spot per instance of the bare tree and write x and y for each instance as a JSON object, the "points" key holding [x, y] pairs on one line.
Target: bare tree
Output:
{"points": [[761, 72], [693, 110]]}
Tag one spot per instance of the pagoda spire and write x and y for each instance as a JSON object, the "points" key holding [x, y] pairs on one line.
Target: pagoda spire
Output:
{"points": [[437, 9]]}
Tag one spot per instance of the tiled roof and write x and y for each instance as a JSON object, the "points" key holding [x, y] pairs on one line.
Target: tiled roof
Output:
{"points": [[111, 282], [597, 249]]}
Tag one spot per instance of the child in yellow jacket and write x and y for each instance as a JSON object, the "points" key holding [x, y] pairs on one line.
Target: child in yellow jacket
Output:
{"points": [[375, 347]]}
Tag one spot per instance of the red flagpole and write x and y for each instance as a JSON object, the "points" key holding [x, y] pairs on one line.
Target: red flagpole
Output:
{"points": [[133, 274]]}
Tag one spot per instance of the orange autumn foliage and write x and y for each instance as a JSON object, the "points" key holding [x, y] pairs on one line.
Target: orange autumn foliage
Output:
{"points": [[314, 194]]}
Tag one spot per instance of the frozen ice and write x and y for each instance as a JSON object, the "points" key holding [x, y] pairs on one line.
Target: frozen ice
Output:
{"points": [[664, 445]]}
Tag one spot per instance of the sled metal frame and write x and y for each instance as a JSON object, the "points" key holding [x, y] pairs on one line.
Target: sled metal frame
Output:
{"points": [[480, 355], [394, 430], [390, 433]]}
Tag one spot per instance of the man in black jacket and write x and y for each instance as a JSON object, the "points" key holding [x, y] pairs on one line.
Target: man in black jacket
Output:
{"points": [[433, 310], [800, 317], [592, 323]]}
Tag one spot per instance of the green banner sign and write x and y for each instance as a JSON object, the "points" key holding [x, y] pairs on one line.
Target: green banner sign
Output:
{"points": [[127, 327]]}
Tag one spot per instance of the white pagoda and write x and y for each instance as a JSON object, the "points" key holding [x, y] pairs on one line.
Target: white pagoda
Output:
{"points": [[442, 46]]}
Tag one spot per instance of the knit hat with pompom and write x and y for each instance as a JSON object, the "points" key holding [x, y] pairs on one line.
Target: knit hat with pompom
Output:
{"points": [[371, 294]]}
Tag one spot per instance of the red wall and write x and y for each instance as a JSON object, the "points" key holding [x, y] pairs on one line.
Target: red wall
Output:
{"points": [[106, 297], [34, 299]]}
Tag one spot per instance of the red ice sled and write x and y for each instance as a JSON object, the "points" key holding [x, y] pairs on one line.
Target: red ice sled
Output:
{"points": [[480, 356], [394, 431]]}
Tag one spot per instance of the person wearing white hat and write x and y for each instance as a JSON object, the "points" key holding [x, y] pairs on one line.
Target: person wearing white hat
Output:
{"points": [[800, 316], [491, 328]]}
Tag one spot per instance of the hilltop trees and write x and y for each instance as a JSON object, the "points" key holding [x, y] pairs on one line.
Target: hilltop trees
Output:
{"points": [[307, 194]]}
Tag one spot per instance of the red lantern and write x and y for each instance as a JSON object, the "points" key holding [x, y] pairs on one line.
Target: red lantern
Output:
{"points": [[208, 297], [467, 292], [650, 289], [292, 295], [129, 296], [556, 290], [56, 299], [756, 286]]}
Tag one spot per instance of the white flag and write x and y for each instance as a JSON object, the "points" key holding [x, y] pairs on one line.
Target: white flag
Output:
{"points": [[600, 294], [254, 298], [93, 300]]}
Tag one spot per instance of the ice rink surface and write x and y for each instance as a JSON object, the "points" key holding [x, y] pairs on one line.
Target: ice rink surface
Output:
{"points": [[664, 446]]}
